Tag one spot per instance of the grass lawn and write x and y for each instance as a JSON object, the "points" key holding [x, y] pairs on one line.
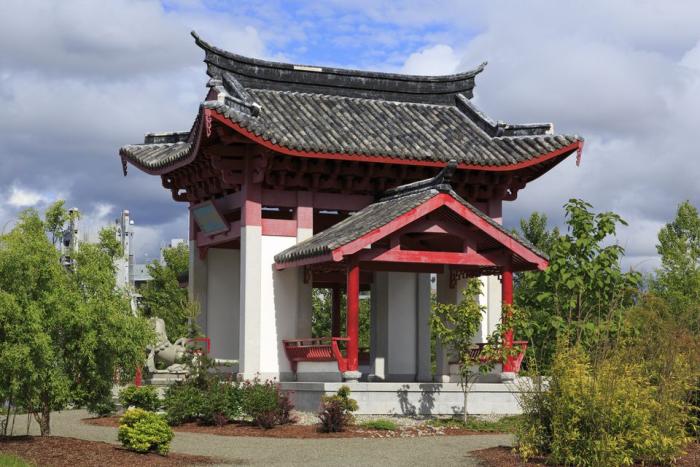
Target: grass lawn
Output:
{"points": [[10, 460], [506, 424], [379, 424]]}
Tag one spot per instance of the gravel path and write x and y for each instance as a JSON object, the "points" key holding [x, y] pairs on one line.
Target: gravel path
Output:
{"points": [[439, 450]]}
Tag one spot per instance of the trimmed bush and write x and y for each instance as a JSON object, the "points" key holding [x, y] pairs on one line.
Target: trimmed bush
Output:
{"points": [[183, 403], [144, 397], [335, 413], [102, 408], [221, 404], [143, 431], [608, 414], [265, 404]]}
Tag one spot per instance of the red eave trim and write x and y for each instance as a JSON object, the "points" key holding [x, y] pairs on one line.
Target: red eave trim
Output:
{"points": [[577, 146]]}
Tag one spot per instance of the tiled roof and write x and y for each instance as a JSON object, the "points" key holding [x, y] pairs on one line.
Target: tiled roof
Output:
{"points": [[376, 114], [394, 204]]}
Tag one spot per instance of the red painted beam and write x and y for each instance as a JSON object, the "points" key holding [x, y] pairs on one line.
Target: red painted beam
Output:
{"points": [[279, 227], [425, 257], [353, 316], [326, 201], [234, 232], [402, 267]]}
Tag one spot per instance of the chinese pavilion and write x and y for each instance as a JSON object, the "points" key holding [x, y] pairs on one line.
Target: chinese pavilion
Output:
{"points": [[303, 176]]}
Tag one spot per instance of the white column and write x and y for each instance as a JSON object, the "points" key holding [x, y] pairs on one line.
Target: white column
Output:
{"points": [[402, 329], [198, 285], [250, 290], [445, 294], [304, 306], [278, 309], [223, 302], [424, 372], [379, 334]]}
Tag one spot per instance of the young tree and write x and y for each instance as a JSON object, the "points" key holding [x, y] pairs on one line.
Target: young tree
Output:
{"points": [[678, 279], [63, 333], [456, 325], [322, 303], [583, 287], [163, 297]]}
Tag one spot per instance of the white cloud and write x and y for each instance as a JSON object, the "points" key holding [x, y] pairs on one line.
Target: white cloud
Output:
{"points": [[439, 59], [24, 198]]}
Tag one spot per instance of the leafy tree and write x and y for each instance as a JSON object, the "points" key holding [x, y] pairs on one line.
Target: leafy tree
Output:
{"points": [[456, 325], [678, 279], [163, 297], [583, 288], [322, 304], [63, 333]]}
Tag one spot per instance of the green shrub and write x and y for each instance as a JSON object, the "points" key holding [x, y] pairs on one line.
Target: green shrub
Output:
{"points": [[608, 414], [143, 397], [143, 431], [336, 411], [102, 408], [265, 404], [380, 424], [221, 404], [183, 403]]}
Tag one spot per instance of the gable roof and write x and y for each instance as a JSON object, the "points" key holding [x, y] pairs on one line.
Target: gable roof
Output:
{"points": [[302, 110], [392, 206]]}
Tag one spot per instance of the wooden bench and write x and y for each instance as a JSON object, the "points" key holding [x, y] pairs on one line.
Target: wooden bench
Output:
{"points": [[515, 361], [319, 349]]}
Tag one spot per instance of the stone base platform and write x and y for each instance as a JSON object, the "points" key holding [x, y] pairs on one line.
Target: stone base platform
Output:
{"points": [[413, 399]]}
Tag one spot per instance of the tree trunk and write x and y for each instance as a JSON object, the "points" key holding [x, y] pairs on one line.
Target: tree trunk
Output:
{"points": [[466, 393], [44, 420]]}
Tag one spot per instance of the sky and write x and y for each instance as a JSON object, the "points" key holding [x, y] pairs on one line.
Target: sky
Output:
{"points": [[80, 78]]}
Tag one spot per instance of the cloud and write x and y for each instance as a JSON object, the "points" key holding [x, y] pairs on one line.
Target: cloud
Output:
{"points": [[439, 59], [80, 78], [22, 198]]}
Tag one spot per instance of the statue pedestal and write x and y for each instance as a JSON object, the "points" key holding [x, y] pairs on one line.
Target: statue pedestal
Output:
{"points": [[163, 380]]}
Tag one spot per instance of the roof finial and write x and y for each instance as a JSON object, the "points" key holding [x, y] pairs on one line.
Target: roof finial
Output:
{"points": [[445, 175]]}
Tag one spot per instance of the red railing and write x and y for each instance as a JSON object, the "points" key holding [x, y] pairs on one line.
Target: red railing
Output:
{"points": [[514, 361], [318, 349]]}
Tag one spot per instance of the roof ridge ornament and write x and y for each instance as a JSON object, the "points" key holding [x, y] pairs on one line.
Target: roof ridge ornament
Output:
{"points": [[440, 182]]}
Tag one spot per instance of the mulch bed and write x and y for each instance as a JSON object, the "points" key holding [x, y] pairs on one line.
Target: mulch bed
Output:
{"points": [[302, 431], [57, 451], [506, 457]]}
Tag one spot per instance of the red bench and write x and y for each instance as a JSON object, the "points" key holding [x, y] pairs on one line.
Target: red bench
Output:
{"points": [[516, 361], [318, 349]]}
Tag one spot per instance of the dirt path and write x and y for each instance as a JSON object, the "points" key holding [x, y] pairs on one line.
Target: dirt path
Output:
{"points": [[438, 450]]}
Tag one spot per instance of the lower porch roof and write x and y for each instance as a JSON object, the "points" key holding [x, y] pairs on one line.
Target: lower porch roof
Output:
{"points": [[428, 209]]}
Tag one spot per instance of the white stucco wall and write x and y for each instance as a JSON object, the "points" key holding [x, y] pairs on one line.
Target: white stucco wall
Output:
{"points": [[490, 299], [278, 307], [223, 302], [402, 326]]}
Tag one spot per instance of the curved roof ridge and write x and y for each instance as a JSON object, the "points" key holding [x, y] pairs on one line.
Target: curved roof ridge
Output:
{"points": [[328, 69], [264, 74]]}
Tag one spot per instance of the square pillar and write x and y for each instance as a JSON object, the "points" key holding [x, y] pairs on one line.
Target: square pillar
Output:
{"points": [[198, 284], [353, 322], [445, 294], [304, 218], [424, 370], [379, 333]]}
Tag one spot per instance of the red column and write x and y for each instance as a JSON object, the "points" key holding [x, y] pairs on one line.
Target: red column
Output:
{"points": [[335, 312], [507, 292], [137, 378], [353, 316]]}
